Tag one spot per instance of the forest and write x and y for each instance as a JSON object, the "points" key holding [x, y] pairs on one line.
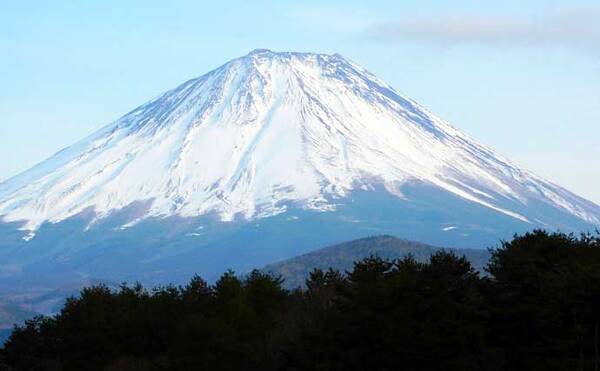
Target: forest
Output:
{"points": [[535, 307]]}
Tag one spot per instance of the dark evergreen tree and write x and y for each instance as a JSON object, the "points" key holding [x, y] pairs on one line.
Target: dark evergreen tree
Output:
{"points": [[537, 309]]}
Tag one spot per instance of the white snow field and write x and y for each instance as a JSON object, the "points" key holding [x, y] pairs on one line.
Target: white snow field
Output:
{"points": [[267, 130]]}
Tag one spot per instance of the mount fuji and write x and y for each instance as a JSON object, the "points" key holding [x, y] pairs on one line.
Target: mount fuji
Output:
{"points": [[266, 157]]}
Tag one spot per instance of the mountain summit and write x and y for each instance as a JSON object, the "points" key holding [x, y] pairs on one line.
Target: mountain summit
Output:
{"points": [[270, 155], [267, 131]]}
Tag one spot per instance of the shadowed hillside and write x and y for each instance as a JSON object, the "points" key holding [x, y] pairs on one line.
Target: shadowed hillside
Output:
{"points": [[343, 256]]}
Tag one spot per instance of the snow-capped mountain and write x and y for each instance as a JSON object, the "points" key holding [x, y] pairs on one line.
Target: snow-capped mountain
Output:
{"points": [[272, 138], [267, 129]]}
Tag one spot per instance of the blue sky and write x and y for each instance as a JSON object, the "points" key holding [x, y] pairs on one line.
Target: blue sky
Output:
{"points": [[521, 78]]}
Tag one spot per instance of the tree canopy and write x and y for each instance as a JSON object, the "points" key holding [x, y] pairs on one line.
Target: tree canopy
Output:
{"points": [[537, 308]]}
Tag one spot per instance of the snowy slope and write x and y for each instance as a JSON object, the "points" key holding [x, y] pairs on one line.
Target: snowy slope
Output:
{"points": [[269, 130]]}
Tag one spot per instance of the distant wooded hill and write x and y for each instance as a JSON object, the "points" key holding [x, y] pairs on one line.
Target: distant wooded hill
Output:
{"points": [[343, 256]]}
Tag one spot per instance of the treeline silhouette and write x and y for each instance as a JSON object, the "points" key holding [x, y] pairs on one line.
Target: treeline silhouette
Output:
{"points": [[537, 308]]}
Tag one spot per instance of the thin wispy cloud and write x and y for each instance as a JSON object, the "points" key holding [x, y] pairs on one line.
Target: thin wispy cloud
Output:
{"points": [[576, 30]]}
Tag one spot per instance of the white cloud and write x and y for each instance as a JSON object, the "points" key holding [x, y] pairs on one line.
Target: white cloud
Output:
{"points": [[574, 30]]}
